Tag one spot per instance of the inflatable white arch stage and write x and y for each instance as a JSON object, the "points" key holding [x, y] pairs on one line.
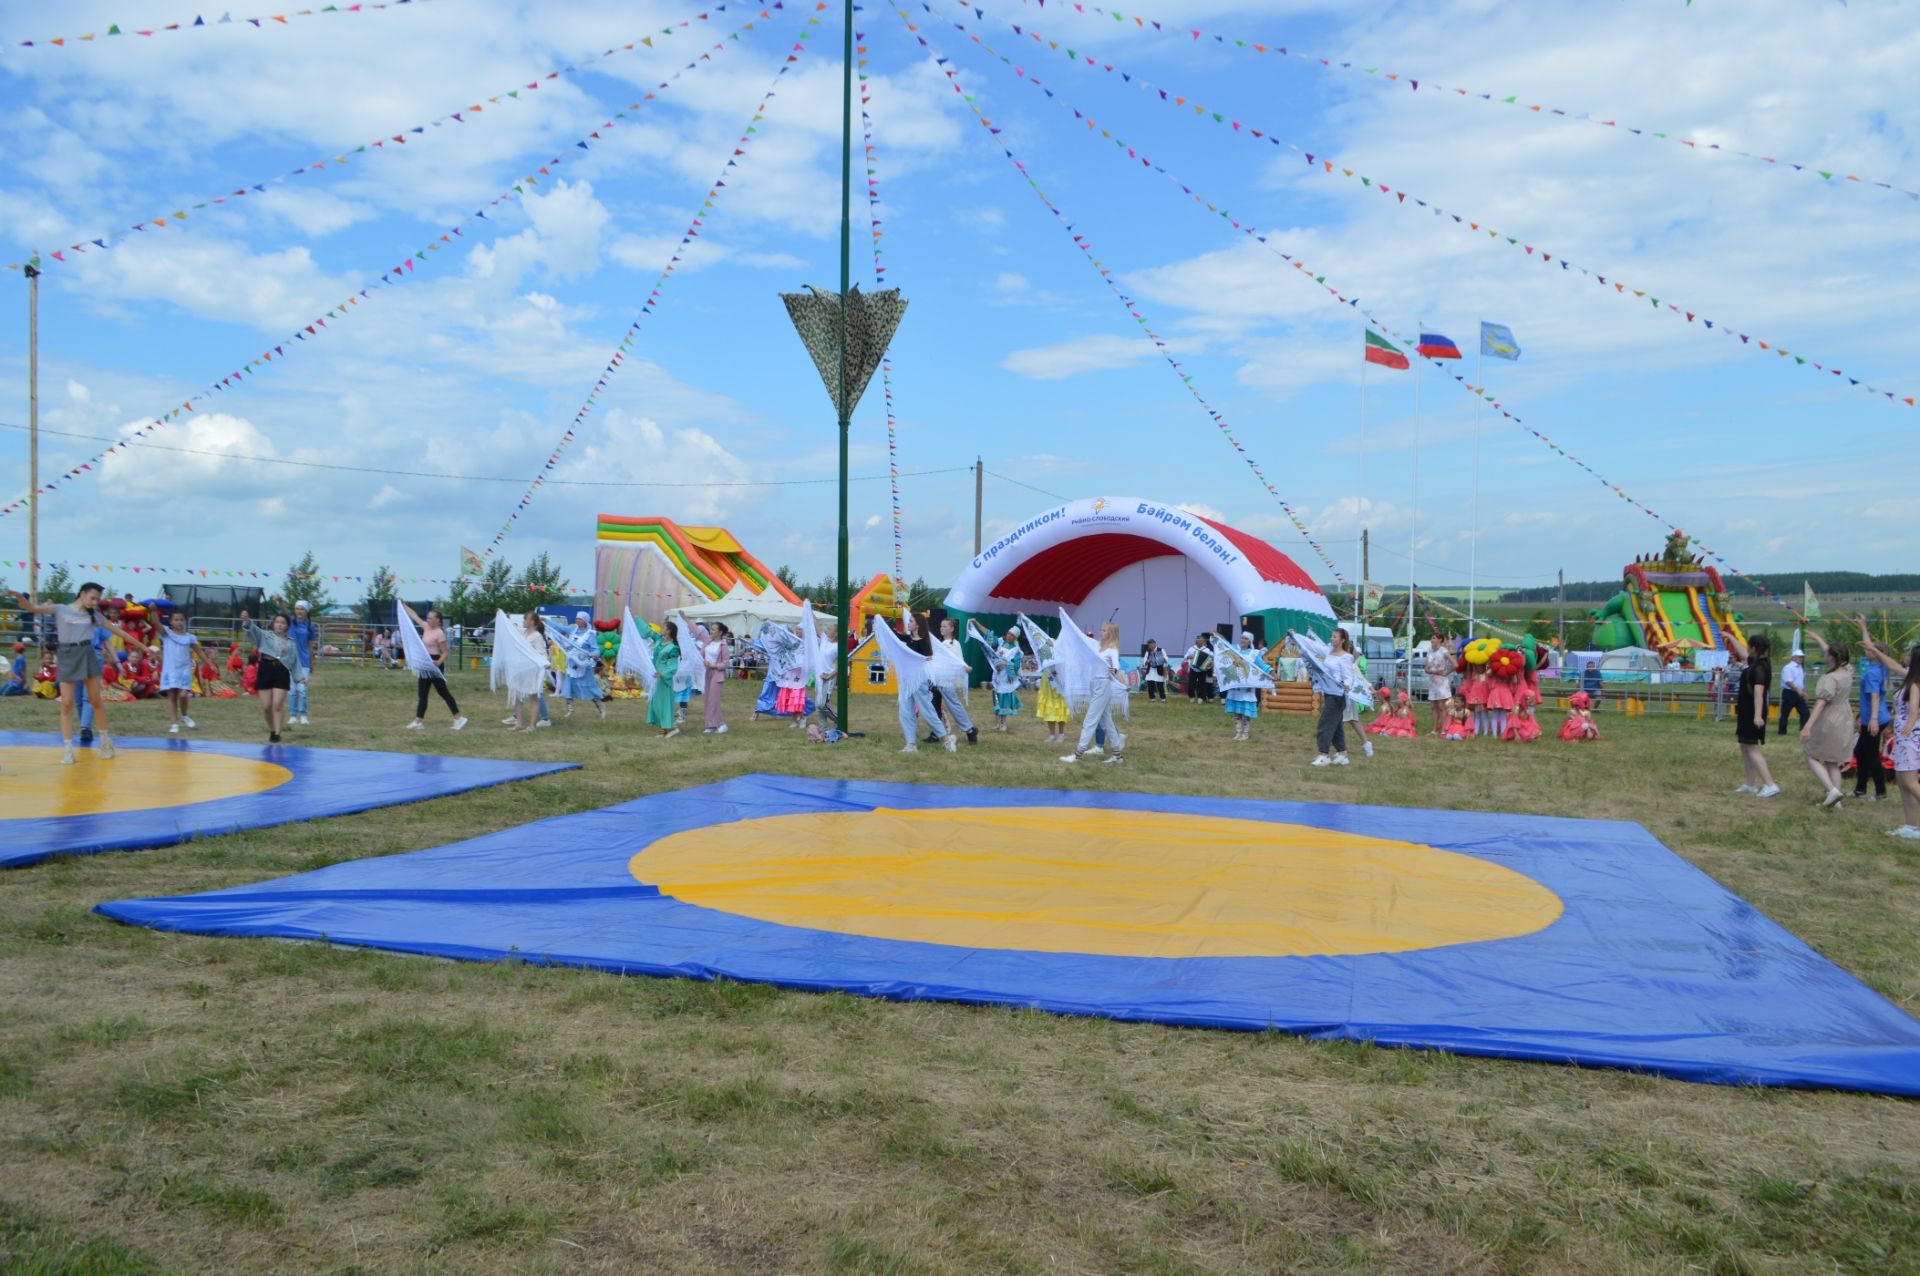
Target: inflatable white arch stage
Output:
{"points": [[1161, 571]]}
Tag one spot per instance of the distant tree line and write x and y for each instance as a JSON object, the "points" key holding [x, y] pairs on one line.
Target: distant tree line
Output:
{"points": [[921, 596], [1786, 584]]}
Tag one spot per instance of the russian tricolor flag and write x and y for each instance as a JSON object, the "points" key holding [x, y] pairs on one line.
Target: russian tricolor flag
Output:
{"points": [[1434, 346]]}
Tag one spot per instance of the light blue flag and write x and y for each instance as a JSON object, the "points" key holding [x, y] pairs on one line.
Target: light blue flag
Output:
{"points": [[1496, 339]]}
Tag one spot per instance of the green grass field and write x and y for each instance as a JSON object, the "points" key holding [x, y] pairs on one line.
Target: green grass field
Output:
{"points": [[174, 1103]]}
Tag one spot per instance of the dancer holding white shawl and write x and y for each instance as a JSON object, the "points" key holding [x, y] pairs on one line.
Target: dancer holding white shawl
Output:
{"points": [[1242, 675], [691, 639], [425, 643], [1005, 661], [1050, 703], [634, 660], [1091, 676], [918, 665], [666, 668], [785, 693], [1333, 674], [953, 692], [817, 656], [520, 664], [582, 651]]}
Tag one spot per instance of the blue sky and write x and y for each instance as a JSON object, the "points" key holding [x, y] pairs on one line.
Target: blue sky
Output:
{"points": [[1013, 349]]}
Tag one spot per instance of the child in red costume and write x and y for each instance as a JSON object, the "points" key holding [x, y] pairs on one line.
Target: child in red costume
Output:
{"points": [[1459, 723], [1579, 724], [1402, 723], [1523, 727]]}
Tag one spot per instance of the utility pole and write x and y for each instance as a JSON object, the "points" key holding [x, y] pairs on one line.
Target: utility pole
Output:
{"points": [[1562, 574], [979, 491], [33, 432], [1366, 574]]}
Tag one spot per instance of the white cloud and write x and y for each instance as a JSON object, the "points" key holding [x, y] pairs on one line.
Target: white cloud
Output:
{"points": [[1077, 356]]}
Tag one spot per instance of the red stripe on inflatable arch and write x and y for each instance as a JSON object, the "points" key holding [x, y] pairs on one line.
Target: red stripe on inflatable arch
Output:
{"points": [[1066, 573], [1268, 561]]}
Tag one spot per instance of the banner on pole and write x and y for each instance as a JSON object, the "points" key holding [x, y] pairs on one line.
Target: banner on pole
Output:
{"points": [[871, 319]]}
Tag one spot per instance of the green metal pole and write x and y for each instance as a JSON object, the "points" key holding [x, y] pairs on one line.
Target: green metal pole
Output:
{"points": [[846, 282]]}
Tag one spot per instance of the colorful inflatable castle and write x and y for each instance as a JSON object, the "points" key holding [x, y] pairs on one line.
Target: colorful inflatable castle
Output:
{"points": [[1673, 605], [655, 565]]}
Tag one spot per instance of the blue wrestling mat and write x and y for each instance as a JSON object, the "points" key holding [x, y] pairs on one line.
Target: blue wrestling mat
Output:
{"points": [[1526, 937], [158, 792]]}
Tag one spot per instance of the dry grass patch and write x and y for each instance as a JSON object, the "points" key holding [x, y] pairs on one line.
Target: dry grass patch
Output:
{"points": [[181, 1103]]}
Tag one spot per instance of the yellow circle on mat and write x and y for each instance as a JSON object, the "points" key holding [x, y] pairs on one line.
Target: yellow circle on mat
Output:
{"points": [[1080, 880], [38, 785]]}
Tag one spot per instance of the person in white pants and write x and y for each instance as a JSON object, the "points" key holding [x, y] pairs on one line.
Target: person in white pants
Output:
{"points": [[953, 693], [913, 664], [1106, 685]]}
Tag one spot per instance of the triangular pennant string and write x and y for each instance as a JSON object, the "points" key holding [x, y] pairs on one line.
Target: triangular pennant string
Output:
{"points": [[1132, 307], [618, 357], [1422, 84], [459, 116], [405, 269], [1320, 166]]}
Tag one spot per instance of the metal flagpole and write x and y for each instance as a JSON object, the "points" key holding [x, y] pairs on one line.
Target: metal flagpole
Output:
{"points": [[1413, 530], [33, 432], [845, 408], [1359, 590], [1473, 551]]}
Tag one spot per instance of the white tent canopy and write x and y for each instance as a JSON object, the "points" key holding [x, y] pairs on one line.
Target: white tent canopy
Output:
{"points": [[744, 612]]}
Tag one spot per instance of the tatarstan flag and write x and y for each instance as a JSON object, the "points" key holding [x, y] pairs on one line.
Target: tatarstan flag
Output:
{"points": [[1384, 352]]}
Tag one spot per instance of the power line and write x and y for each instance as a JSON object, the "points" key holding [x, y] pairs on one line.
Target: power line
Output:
{"points": [[1030, 487], [479, 478]]}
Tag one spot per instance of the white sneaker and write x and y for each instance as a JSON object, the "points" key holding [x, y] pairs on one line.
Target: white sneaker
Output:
{"points": [[416, 726], [460, 722], [1115, 758], [946, 741], [191, 724], [1095, 751], [508, 721], [1071, 757], [1831, 800], [911, 748], [1909, 831], [1772, 790], [305, 721], [1746, 788], [1323, 760], [1366, 747], [66, 758], [544, 722], [173, 728], [719, 730], [1340, 759], [106, 746]]}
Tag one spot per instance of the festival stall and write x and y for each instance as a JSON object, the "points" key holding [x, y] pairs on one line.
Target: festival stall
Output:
{"points": [[1162, 572]]}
